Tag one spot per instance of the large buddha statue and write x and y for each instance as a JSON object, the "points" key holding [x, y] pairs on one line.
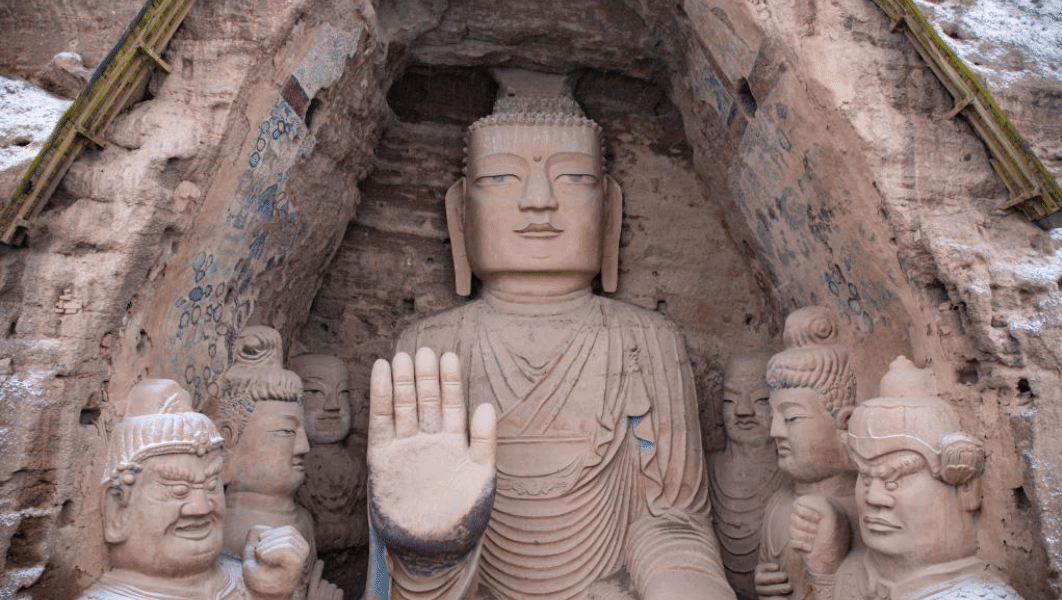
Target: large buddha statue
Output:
{"points": [[917, 497], [745, 473], [582, 473], [813, 393], [260, 416], [163, 512]]}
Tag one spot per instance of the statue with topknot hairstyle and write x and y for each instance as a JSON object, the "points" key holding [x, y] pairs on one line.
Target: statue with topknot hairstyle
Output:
{"points": [[813, 393], [583, 458], [260, 416]]}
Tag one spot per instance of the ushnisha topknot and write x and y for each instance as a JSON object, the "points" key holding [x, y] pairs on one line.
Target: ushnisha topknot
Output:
{"points": [[257, 375], [536, 110], [813, 359], [158, 421]]}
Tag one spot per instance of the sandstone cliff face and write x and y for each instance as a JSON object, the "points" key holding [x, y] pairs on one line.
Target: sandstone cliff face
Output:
{"points": [[290, 172]]}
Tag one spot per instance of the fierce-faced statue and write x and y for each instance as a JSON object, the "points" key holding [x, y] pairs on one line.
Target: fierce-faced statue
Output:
{"points": [[583, 457], [164, 511]]}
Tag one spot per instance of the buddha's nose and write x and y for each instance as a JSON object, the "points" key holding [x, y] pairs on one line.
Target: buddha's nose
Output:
{"points": [[538, 193]]}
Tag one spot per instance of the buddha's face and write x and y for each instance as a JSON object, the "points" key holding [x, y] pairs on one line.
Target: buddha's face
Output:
{"points": [[906, 513], [326, 389], [810, 448], [534, 201], [172, 524], [268, 456], [746, 404]]}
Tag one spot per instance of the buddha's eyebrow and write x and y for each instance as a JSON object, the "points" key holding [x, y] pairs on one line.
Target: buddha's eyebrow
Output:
{"points": [[182, 474]]}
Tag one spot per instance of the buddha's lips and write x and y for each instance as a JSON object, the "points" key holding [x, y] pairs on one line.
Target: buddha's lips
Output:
{"points": [[539, 228], [195, 529]]}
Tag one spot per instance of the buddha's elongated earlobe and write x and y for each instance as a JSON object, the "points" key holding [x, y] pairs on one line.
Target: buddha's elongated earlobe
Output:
{"points": [[611, 236], [455, 214]]}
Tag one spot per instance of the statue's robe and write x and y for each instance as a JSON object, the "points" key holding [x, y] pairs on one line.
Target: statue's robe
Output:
{"points": [[127, 585], [967, 578], [774, 539], [599, 464]]}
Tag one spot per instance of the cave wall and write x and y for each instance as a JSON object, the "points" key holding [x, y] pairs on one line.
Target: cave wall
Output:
{"points": [[772, 156]]}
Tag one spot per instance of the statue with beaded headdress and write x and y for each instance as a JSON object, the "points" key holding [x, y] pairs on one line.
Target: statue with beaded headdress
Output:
{"points": [[163, 512], [917, 498], [813, 393], [582, 472]]}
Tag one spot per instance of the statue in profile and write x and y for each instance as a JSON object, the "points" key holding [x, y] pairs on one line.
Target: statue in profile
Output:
{"points": [[813, 393], [582, 464], [745, 473], [334, 490], [260, 417], [164, 512], [917, 497]]}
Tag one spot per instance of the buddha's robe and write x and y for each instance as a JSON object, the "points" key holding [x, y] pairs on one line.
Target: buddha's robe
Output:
{"points": [[599, 464]]}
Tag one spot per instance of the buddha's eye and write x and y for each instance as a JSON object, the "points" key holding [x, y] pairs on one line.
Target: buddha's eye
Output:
{"points": [[764, 401], [578, 178], [499, 179], [728, 400], [285, 432], [180, 490], [312, 392], [212, 484]]}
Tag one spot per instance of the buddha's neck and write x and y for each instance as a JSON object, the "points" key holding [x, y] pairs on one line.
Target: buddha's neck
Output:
{"points": [[507, 301], [242, 500], [751, 450]]}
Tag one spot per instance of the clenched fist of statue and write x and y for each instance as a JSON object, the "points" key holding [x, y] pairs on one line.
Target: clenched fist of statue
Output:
{"points": [[273, 560], [431, 477]]}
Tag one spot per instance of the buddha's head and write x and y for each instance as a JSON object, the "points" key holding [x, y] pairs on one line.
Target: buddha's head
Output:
{"points": [[919, 476], [812, 396], [746, 399], [163, 503], [326, 391], [535, 202], [260, 417]]}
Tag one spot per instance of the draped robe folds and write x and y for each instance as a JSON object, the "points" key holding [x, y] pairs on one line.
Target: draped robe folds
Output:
{"points": [[128, 585], [599, 457]]}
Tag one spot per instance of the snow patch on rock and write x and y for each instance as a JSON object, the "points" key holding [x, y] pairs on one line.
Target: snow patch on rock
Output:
{"points": [[28, 115]]}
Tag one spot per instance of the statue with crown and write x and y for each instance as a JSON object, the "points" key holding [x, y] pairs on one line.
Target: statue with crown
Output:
{"points": [[540, 440]]}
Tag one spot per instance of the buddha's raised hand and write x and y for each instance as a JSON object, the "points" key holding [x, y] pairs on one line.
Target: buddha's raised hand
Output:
{"points": [[431, 478]]}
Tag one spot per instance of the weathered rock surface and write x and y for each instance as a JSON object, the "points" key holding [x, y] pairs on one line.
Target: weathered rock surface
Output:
{"points": [[773, 155]]}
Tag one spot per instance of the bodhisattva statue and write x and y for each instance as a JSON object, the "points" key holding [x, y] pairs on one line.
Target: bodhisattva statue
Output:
{"points": [[917, 496], [813, 393], [163, 512], [260, 417], [334, 490], [744, 474], [583, 457]]}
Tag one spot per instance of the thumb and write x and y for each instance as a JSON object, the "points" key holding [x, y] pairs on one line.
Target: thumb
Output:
{"points": [[483, 433]]}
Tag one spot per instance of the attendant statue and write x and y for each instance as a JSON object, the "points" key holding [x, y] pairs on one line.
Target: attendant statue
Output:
{"points": [[164, 511], [334, 490], [583, 463], [813, 393], [260, 417], [744, 474], [917, 497]]}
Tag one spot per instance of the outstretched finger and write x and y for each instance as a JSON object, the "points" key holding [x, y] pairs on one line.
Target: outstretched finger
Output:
{"points": [[482, 436], [405, 395], [429, 412], [381, 404], [454, 413]]}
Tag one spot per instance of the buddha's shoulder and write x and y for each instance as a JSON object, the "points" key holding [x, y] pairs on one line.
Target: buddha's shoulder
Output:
{"points": [[623, 314]]}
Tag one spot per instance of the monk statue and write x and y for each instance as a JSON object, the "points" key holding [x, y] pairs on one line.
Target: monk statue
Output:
{"points": [[260, 417], [813, 393], [917, 498], [582, 472], [744, 474], [164, 511], [334, 490]]}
